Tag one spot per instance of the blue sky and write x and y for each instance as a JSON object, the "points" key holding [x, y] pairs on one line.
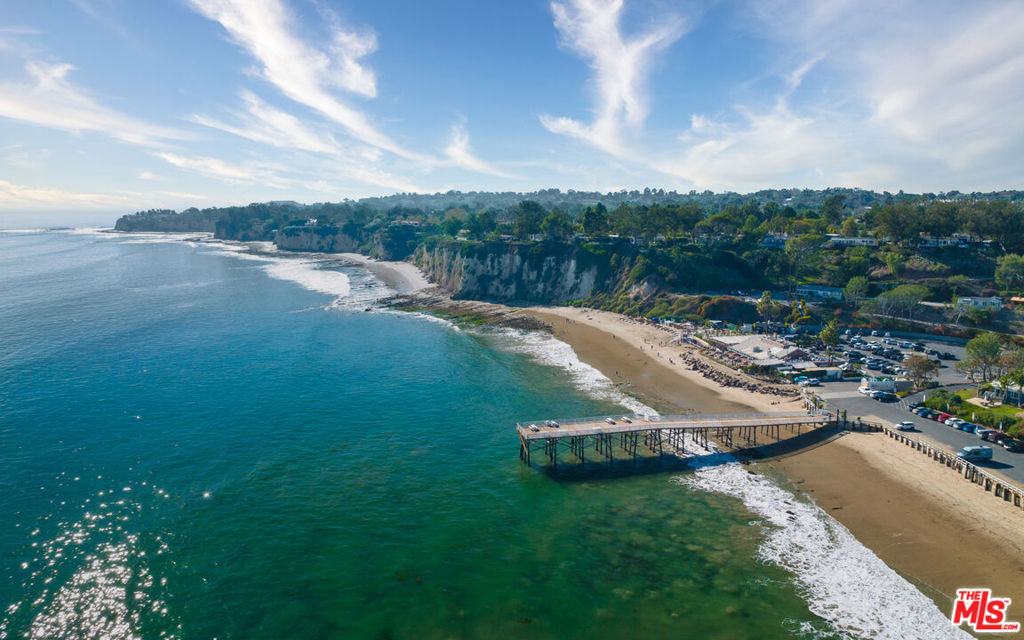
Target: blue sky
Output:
{"points": [[109, 106]]}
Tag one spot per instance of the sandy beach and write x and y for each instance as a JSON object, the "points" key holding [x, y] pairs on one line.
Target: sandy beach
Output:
{"points": [[403, 277], [922, 519]]}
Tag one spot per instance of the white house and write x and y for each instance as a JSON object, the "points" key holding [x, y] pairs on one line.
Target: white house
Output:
{"points": [[1014, 394], [966, 302], [815, 291], [851, 241]]}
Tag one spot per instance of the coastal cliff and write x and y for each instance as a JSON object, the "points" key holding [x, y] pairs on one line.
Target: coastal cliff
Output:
{"points": [[502, 271], [325, 240]]}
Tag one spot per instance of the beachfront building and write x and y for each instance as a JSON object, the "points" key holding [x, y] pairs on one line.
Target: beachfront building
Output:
{"points": [[967, 302], [816, 291], [760, 350]]}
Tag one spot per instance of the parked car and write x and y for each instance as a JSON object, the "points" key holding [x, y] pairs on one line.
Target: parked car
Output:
{"points": [[967, 426], [975, 453], [942, 417], [885, 396], [945, 355], [1016, 446], [981, 431], [906, 425], [996, 436], [953, 422], [915, 405]]}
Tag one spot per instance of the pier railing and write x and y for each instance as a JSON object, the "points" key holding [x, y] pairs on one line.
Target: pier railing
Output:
{"points": [[603, 435]]}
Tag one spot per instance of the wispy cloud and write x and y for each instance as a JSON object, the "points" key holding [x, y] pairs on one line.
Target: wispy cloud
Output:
{"points": [[217, 168], [934, 89], [620, 64], [762, 150], [21, 197], [268, 125], [265, 124], [51, 100], [461, 153], [301, 71]]}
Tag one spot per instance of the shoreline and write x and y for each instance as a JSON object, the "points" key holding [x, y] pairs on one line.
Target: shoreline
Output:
{"points": [[403, 277], [938, 531]]}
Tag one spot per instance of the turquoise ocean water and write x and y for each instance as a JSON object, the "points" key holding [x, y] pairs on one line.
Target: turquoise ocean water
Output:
{"points": [[201, 443]]}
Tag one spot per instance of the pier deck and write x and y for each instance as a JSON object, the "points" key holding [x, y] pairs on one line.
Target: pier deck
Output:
{"points": [[658, 433]]}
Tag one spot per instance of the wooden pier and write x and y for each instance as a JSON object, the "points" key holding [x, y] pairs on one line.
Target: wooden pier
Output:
{"points": [[604, 436]]}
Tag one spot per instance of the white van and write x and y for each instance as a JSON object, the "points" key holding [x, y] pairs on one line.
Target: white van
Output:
{"points": [[972, 454]]}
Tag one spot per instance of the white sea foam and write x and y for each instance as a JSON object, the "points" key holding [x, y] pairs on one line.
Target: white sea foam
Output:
{"points": [[306, 274], [551, 351], [23, 230], [841, 579]]}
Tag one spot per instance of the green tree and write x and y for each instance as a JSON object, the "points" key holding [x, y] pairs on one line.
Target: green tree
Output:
{"points": [[849, 227], [1010, 271], [832, 210], [829, 335], [556, 225], [920, 370], [595, 220], [856, 289], [983, 355], [526, 218], [902, 301], [451, 226], [766, 306], [978, 317]]}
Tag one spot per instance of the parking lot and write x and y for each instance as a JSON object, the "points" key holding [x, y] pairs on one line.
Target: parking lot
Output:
{"points": [[882, 354]]}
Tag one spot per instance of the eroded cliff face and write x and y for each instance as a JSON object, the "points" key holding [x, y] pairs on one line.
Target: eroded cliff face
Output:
{"points": [[313, 241], [508, 272]]}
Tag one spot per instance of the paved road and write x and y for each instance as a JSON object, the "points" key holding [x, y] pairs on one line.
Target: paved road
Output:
{"points": [[844, 395]]}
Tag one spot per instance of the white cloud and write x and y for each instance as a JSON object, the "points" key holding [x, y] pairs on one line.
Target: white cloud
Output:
{"points": [[21, 197], [146, 175], [267, 125], [591, 29], [217, 168], [303, 72], [461, 153], [762, 150], [52, 101], [937, 85]]}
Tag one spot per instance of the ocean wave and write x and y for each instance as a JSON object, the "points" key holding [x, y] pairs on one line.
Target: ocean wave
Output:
{"points": [[548, 350], [842, 581], [308, 274]]}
